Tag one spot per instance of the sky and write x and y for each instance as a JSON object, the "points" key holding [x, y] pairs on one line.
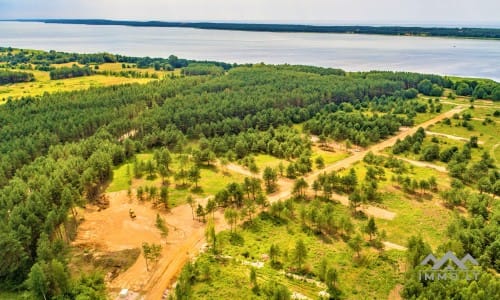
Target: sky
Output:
{"points": [[377, 12]]}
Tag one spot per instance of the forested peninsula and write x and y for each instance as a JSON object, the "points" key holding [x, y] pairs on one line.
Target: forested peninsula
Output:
{"points": [[483, 33]]}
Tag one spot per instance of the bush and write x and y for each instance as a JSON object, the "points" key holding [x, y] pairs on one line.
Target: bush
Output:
{"points": [[7, 77]]}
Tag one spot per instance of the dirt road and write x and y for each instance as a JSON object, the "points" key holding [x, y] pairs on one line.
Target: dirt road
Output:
{"points": [[358, 156]]}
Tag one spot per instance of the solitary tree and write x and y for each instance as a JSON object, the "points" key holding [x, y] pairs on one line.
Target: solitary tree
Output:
{"points": [[153, 193], [231, 217], [200, 213], [424, 185], [164, 196], [191, 203], [299, 188], [371, 227], [150, 167], [211, 206], [140, 193], [160, 224], [163, 173], [320, 162], [194, 175], [37, 282], [270, 178], [274, 252], [300, 253], [331, 279], [210, 235], [253, 277], [355, 199], [355, 244], [151, 252]]}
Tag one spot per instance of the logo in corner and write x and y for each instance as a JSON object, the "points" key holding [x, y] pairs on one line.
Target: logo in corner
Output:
{"points": [[449, 267]]}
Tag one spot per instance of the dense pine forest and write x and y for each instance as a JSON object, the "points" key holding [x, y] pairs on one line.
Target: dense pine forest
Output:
{"points": [[58, 151]]}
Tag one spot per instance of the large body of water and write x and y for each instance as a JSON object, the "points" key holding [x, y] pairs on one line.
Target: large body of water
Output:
{"points": [[446, 56]]}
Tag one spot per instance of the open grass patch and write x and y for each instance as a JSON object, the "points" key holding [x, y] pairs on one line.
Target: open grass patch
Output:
{"points": [[329, 157], [43, 84], [212, 180], [422, 117], [265, 160], [426, 218], [489, 134]]}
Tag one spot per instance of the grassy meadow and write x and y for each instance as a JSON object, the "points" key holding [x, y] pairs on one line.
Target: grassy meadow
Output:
{"points": [[43, 84]]}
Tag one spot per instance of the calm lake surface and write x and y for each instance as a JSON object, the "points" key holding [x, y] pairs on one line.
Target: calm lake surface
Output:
{"points": [[447, 56]]}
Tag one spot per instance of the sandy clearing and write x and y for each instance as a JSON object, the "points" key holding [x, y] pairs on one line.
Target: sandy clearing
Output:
{"points": [[112, 229]]}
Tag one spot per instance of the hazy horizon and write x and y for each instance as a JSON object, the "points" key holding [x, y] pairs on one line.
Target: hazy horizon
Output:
{"points": [[447, 13], [290, 22]]}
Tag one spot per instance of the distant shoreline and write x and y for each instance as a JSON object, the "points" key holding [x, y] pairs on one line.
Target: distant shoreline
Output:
{"points": [[458, 32]]}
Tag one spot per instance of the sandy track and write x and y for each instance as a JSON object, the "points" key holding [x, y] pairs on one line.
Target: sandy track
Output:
{"points": [[241, 170], [389, 246], [357, 156], [421, 164], [492, 151], [452, 137]]}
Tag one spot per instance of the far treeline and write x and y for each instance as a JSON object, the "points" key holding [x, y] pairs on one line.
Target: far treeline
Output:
{"points": [[23, 59], [486, 33]]}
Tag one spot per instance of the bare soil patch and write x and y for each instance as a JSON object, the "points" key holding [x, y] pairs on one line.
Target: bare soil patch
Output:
{"points": [[112, 229]]}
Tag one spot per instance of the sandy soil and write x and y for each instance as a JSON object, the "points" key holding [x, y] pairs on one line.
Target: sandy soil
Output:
{"points": [[394, 294], [112, 229]]}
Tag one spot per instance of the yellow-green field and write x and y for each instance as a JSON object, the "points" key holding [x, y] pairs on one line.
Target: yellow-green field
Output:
{"points": [[43, 84], [328, 156]]}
